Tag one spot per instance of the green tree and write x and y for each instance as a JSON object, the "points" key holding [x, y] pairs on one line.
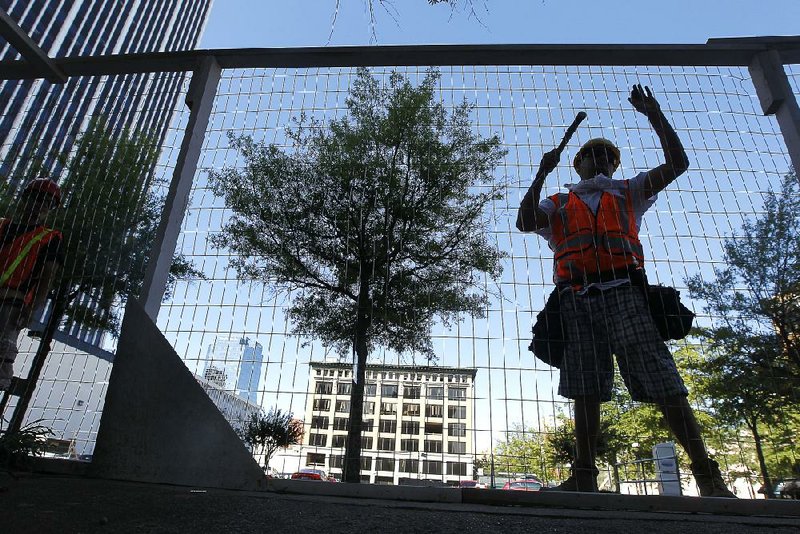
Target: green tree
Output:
{"points": [[109, 215], [752, 353], [522, 452], [737, 395], [375, 221], [755, 298], [266, 433]]}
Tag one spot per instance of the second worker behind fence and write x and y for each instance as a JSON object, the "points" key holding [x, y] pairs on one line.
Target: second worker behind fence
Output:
{"points": [[598, 262], [29, 260]]}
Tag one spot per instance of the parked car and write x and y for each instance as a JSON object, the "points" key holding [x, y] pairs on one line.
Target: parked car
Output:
{"points": [[526, 484], [311, 474], [471, 484]]}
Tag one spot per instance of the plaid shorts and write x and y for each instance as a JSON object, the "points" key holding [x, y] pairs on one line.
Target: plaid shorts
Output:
{"points": [[614, 321]]}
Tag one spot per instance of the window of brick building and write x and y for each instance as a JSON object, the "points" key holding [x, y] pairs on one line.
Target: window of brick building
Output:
{"points": [[457, 412], [433, 428], [411, 409], [457, 429], [389, 390], [433, 445], [318, 440], [432, 467], [387, 425], [411, 392], [457, 468], [384, 464], [409, 466], [324, 388], [386, 444], [341, 423], [433, 410], [410, 427], [409, 445], [319, 421], [454, 393], [456, 447], [314, 458]]}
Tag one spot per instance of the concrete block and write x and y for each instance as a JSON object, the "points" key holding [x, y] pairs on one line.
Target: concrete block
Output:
{"points": [[158, 424]]}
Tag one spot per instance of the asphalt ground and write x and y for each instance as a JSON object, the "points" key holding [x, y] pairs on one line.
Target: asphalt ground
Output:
{"points": [[34, 503]]}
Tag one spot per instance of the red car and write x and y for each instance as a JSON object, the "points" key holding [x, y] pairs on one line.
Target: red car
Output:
{"points": [[311, 474], [523, 485]]}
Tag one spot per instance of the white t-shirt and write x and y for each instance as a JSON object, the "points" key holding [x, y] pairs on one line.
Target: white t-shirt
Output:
{"points": [[590, 191]]}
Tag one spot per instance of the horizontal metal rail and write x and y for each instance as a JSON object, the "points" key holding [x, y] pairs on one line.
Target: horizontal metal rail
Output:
{"points": [[716, 52]]}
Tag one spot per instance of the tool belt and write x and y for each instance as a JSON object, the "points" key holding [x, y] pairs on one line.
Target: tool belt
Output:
{"points": [[672, 319]]}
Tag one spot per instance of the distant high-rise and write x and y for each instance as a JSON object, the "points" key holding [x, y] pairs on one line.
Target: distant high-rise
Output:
{"points": [[233, 364], [38, 118]]}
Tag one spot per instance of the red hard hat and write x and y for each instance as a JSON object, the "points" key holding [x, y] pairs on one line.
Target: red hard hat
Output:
{"points": [[44, 185]]}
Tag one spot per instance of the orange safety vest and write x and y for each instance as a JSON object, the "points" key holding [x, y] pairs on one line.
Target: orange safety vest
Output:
{"points": [[585, 244], [18, 258]]}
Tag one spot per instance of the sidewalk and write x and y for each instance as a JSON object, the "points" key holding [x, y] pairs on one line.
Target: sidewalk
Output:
{"points": [[48, 503]]}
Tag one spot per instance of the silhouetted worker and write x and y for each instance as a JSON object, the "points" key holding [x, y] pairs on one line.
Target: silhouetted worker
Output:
{"points": [[29, 260], [598, 263]]}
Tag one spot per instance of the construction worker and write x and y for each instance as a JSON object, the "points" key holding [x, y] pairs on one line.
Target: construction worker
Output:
{"points": [[598, 269], [29, 261]]}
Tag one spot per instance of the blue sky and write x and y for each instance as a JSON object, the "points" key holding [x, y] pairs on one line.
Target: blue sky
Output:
{"points": [[736, 152], [251, 23]]}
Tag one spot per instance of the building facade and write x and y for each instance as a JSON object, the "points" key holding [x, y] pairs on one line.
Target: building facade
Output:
{"points": [[235, 409], [39, 120], [418, 423]]}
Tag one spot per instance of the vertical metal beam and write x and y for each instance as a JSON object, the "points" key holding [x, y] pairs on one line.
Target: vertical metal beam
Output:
{"points": [[30, 51], [200, 99], [776, 97]]}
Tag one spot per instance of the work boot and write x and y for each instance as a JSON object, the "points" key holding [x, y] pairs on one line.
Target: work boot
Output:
{"points": [[581, 479], [709, 479]]}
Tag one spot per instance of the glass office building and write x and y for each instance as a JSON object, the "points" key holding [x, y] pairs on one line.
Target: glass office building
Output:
{"points": [[39, 118]]}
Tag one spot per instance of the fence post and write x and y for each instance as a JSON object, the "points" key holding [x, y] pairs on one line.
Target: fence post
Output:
{"points": [[200, 99], [776, 98]]}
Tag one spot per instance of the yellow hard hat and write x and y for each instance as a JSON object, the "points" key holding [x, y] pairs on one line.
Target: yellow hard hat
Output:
{"points": [[597, 141]]}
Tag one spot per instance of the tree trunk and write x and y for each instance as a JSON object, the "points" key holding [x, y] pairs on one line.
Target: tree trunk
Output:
{"points": [[59, 306], [761, 461], [615, 472], [352, 458]]}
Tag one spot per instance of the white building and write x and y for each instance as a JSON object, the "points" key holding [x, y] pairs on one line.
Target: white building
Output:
{"points": [[236, 410], [418, 423]]}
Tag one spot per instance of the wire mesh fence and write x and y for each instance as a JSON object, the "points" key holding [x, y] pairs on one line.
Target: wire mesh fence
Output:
{"points": [[110, 145], [480, 406]]}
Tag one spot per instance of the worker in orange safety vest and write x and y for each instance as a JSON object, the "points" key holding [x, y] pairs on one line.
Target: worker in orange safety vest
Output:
{"points": [[29, 262], [593, 230]]}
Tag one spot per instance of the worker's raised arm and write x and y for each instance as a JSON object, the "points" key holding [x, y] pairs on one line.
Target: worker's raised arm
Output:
{"points": [[530, 217], [676, 161]]}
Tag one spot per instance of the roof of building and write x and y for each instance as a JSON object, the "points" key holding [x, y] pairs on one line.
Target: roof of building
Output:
{"points": [[472, 371]]}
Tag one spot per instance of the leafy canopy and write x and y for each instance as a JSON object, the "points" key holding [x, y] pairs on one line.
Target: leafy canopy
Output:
{"points": [[754, 347], [108, 216], [272, 431], [381, 210]]}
